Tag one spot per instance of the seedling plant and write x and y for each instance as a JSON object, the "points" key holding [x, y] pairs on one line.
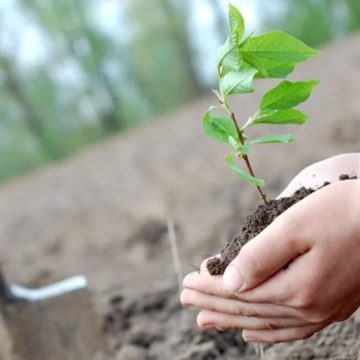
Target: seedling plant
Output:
{"points": [[241, 61]]}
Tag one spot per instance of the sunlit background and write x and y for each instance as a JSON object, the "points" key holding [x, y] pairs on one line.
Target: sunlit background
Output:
{"points": [[73, 72]]}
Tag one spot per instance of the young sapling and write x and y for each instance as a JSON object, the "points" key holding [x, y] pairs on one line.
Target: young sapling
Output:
{"points": [[241, 61]]}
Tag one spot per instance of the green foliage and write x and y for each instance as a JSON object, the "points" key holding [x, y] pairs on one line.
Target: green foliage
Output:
{"points": [[220, 128], [229, 57], [272, 139], [241, 61], [237, 82], [278, 46], [287, 95], [281, 117], [236, 24], [243, 174], [268, 68]]}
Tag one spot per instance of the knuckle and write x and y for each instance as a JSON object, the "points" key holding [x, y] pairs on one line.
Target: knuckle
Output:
{"points": [[247, 311], [304, 300], [291, 226], [254, 268], [271, 324], [235, 309], [287, 294], [306, 303]]}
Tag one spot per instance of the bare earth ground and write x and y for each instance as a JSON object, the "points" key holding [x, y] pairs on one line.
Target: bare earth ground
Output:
{"points": [[103, 213]]}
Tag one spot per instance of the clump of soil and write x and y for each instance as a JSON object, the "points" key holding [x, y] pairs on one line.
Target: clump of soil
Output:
{"points": [[261, 218]]}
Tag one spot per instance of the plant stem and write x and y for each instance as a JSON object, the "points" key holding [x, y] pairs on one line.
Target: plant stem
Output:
{"points": [[245, 157]]}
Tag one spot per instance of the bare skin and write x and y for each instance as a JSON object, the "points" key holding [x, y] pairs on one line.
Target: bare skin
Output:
{"points": [[319, 240]]}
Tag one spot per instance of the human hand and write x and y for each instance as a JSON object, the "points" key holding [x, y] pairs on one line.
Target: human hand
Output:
{"points": [[328, 170], [276, 304]]}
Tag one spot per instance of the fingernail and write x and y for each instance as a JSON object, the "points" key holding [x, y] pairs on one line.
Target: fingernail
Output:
{"points": [[246, 337], [232, 279], [208, 326]]}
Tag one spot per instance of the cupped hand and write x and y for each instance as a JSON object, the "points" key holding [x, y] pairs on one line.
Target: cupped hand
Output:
{"points": [[325, 171], [297, 276]]}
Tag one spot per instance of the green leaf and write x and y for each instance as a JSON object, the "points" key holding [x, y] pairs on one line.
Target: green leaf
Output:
{"points": [[276, 70], [229, 57], [287, 95], [220, 128], [237, 25], [274, 139], [243, 174], [232, 61], [278, 46], [277, 117], [224, 50], [237, 82], [268, 68]]}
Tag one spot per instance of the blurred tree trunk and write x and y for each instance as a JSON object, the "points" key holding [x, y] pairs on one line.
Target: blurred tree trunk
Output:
{"points": [[51, 16], [221, 23], [354, 13], [176, 19], [111, 119], [32, 119]]}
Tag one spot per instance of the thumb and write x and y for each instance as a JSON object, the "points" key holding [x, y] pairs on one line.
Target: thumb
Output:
{"points": [[265, 255]]}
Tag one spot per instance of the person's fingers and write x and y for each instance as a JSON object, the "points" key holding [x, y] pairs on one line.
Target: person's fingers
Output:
{"points": [[221, 321], [203, 266], [207, 284], [329, 170], [192, 298], [267, 253], [282, 335]]}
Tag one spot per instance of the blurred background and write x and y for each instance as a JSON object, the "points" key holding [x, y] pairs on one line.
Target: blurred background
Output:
{"points": [[73, 72]]}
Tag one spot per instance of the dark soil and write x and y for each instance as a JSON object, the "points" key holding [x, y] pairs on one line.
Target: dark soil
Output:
{"points": [[256, 222]]}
